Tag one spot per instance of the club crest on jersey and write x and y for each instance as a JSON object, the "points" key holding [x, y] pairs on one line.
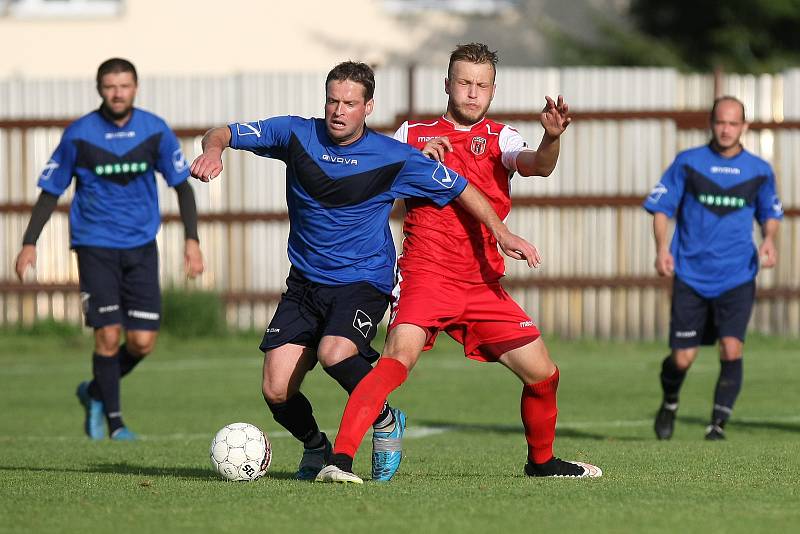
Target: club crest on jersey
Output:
{"points": [[478, 145]]}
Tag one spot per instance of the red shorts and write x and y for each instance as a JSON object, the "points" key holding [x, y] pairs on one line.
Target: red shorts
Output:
{"points": [[482, 317]]}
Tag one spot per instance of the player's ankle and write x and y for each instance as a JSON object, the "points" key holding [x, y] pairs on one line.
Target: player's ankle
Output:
{"points": [[342, 461]]}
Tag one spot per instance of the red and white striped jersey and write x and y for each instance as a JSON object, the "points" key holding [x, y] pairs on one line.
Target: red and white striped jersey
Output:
{"points": [[448, 240]]}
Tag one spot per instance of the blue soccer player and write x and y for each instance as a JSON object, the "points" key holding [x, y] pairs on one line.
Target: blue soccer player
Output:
{"points": [[113, 153], [341, 181], [714, 192]]}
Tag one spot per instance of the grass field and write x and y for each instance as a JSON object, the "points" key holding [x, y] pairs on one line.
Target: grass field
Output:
{"points": [[464, 453]]}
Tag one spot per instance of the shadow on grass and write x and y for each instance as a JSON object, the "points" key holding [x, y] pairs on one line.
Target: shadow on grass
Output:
{"points": [[484, 428], [123, 468], [748, 425]]}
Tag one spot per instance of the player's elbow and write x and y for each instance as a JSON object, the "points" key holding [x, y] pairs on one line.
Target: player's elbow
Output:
{"points": [[544, 172]]}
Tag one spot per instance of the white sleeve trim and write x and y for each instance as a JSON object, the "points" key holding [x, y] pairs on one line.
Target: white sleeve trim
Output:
{"points": [[511, 144], [402, 133]]}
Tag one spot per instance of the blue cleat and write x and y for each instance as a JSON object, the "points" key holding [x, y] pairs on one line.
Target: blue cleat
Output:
{"points": [[123, 434], [95, 422], [314, 460], [387, 449]]}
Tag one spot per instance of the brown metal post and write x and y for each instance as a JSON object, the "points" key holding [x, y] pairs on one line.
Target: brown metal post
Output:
{"points": [[411, 106]]}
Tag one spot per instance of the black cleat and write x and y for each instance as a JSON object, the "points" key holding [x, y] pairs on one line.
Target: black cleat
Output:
{"points": [[715, 432], [665, 422], [556, 467]]}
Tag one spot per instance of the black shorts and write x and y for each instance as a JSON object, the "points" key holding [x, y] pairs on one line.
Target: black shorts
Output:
{"points": [[308, 311], [697, 320], [120, 286]]}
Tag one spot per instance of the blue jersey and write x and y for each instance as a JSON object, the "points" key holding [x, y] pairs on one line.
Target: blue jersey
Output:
{"points": [[714, 200], [116, 198], [340, 197]]}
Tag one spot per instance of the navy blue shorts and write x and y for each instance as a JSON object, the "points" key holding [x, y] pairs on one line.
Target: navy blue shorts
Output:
{"points": [[308, 311], [120, 286], [697, 320]]}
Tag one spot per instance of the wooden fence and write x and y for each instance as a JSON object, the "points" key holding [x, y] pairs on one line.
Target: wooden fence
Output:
{"points": [[597, 279]]}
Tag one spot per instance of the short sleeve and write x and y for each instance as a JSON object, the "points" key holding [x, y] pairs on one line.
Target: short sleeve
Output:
{"points": [[427, 178], [267, 137], [511, 144], [172, 162], [402, 133], [666, 195], [59, 170], [768, 204]]}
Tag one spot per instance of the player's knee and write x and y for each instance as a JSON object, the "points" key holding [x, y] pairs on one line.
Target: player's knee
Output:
{"points": [[106, 339], [141, 344], [274, 393], [329, 358], [334, 349], [730, 349], [684, 358]]}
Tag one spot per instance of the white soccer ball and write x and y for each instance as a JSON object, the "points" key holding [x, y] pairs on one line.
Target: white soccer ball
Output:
{"points": [[240, 451]]}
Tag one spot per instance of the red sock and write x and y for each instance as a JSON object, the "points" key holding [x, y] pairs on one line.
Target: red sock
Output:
{"points": [[539, 414], [366, 402]]}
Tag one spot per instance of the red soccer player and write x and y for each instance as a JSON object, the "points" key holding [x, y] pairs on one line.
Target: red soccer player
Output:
{"points": [[449, 255]]}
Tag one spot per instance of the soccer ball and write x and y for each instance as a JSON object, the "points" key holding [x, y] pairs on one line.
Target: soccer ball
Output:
{"points": [[240, 451]]}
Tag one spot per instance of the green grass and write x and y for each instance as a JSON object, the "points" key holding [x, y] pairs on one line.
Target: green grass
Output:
{"points": [[466, 478]]}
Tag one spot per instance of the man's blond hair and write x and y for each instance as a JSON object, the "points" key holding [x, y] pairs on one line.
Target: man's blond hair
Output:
{"points": [[473, 53]]}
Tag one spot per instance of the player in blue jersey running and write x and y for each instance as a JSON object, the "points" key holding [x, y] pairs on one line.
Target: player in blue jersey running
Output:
{"points": [[113, 153], [714, 192], [341, 181]]}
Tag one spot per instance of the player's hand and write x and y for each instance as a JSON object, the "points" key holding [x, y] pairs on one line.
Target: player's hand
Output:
{"points": [[555, 116], [207, 166], [665, 263], [516, 247], [192, 259], [768, 254], [437, 147], [25, 259]]}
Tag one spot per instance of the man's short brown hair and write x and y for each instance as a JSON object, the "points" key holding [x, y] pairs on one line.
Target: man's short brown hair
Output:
{"points": [[473, 53], [113, 66], [355, 72]]}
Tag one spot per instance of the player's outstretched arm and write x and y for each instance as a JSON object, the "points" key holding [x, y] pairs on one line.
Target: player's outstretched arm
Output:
{"points": [[665, 263], [541, 162], [208, 165], [768, 252], [512, 245]]}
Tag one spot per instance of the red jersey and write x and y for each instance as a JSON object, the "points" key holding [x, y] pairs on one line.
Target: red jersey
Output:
{"points": [[448, 240]]}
